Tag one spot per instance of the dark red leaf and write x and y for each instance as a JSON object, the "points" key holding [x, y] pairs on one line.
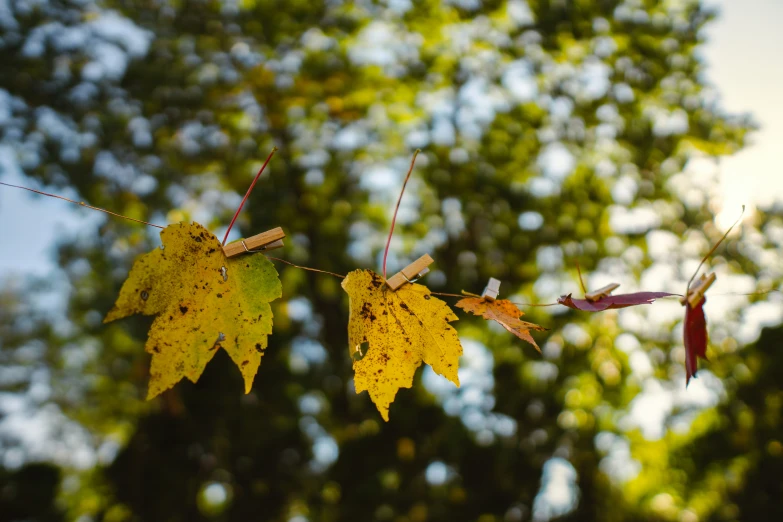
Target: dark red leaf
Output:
{"points": [[612, 301], [695, 337]]}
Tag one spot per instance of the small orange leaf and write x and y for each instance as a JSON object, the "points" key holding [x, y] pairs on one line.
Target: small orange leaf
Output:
{"points": [[505, 313]]}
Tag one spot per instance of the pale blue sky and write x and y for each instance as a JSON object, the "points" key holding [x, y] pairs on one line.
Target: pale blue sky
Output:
{"points": [[744, 58], [31, 224]]}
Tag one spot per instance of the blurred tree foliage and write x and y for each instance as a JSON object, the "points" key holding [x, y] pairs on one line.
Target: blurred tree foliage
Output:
{"points": [[552, 132]]}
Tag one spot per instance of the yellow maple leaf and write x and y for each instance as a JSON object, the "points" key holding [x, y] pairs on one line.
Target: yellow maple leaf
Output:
{"points": [[402, 329], [503, 312], [203, 302]]}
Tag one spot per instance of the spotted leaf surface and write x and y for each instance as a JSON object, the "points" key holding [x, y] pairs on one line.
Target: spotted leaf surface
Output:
{"points": [[401, 330], [203, 302]]}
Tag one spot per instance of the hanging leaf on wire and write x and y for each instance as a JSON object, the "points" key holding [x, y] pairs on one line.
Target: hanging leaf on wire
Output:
{"points": [[694, 330], [502, 311], [203, 301], [601, 299], [612, 301], [694, 338], [402, 325], [203, 297], [401, 329]]}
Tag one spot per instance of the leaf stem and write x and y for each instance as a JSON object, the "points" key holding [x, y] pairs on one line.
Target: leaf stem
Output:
{"points": [[82, 204], [394, 218], [581, 281], [247, 194], [712, 251]]}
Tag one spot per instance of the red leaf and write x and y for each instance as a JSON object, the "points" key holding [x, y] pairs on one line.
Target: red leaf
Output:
{"points": [[612, 301], [695, 338]]}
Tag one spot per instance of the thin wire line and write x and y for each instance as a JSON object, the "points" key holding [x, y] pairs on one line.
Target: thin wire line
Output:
{"points": [[512, 302], [432, 293], [764, 292], [445, 294], [448, 295], [82, 204], [306, 267]]}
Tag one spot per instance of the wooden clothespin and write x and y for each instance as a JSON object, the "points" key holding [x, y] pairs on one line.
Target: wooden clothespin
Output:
{"points": [[268, 240], [492, 289], [604, 291], [696, 292], [410, 273]]}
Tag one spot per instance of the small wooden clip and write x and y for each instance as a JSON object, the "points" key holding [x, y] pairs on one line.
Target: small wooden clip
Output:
{"points": [[410, 273], [268, 240], [602, 292], [492, 289], [697, 290]]}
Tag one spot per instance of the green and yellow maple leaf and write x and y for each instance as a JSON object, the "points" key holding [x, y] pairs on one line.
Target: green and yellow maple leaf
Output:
{"points": [[402, 328], [203, 301]]}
